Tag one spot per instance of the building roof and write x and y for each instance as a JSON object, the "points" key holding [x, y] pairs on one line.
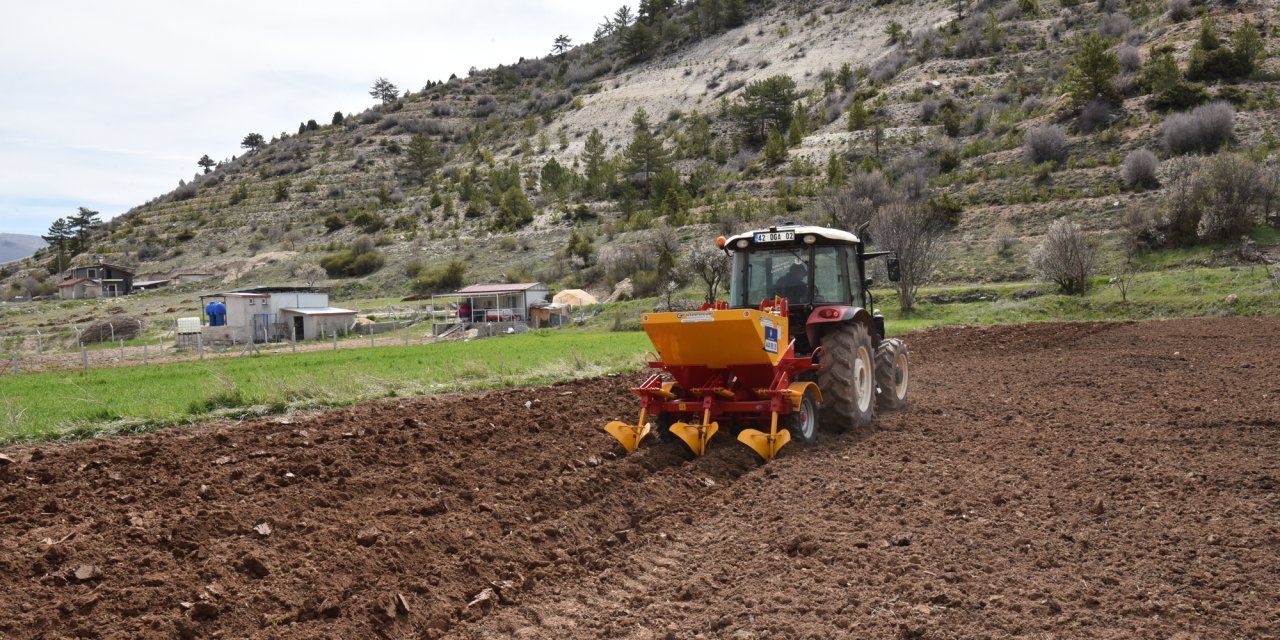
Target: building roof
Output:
{"points": [[500, 288], [72, 283], [280, 289], [319, 311], [100, 265], [139, 284]]}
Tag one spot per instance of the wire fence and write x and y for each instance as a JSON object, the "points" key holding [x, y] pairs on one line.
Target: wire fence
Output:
{"points": [[67, 349]]}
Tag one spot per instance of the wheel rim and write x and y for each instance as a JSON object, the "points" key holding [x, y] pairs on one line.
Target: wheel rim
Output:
{"points": [[862, 379], [807, 418], [903, 373]]}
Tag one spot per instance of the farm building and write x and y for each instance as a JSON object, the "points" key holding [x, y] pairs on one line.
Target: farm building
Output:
{"points": [[268, 314], [95, 281], [505, 304]]}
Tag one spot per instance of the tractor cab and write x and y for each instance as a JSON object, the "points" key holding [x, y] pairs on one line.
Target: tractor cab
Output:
{"points": [[812, 267]]}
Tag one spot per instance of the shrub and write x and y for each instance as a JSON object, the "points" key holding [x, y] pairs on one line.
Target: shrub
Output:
{"points": [[1032, 103], [1179, 10], [1065, 257], [1139, 169], [448, 277], [334, 222], [1204, 129], [928, 110], [185, 191], [1130, 59], [361, 259], [1114, 25], [1143, 229], [1045, 144], [1094, 116], [368, 222], [1232, 185]]}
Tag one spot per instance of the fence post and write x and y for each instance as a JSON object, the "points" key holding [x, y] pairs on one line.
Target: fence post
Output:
{"points": [[122, 350], [200, 344], [144, 354], [335, 340], [406, 336], [371, 335], [15, 361], [84, 357]]}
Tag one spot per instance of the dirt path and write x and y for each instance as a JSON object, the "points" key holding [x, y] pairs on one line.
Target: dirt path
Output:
{"points": [[1102, 481]]}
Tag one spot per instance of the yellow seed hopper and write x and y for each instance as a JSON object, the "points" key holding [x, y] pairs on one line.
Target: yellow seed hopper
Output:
{"points": [[735, 364]]}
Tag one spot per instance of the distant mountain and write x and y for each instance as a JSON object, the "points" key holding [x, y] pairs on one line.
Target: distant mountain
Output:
{"points": [[16, 246]]}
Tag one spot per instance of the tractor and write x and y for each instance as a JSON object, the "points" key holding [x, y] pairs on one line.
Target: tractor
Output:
{"points": [[797, 347]]}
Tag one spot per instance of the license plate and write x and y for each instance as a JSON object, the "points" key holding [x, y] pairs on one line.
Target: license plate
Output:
{"points": [[775, 236]]}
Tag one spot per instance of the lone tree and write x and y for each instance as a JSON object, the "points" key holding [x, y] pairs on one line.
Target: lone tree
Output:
{"points": [[711, 267], [206, 163], [420, 158], [645, 154], [253, 141], [561, 44], [766, 105], [84, 221], [916, 239], [384, 90], [1065, 257], [1093, 71]]}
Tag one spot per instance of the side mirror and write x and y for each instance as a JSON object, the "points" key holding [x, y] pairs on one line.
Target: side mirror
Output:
{"points": [[894, 269], [867, 282]]}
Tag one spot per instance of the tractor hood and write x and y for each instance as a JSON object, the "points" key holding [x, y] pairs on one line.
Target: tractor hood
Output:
{"points": [[786, 235]]}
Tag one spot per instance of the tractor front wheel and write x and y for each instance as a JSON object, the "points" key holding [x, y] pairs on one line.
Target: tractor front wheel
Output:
{"points": [[893, 375], [847, 378]]}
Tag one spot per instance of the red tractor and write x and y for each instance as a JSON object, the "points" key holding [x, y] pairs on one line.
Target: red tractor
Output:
{"points": [[796, 345]]}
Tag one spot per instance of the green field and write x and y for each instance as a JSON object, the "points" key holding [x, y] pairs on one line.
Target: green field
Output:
{"points": [[43, 406]]}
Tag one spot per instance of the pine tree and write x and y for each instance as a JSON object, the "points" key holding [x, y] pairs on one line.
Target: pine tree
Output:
{"points": [[561, 44], [384, 90], [593, 160], [60, 236], [253, 141], [420, 158], [645, 154], [84, 221], [337, 118], [206, 163], [1092, 72], [766, 105]]}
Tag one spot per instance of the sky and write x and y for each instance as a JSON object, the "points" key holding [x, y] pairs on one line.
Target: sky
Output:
{"points": [[106, 105]]}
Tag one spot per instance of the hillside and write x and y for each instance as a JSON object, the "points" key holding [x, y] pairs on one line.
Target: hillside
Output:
{"points": [[16, 246], [894, 102]]}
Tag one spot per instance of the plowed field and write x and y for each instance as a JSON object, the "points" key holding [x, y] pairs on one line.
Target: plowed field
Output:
{"points": [[1078, 480]]}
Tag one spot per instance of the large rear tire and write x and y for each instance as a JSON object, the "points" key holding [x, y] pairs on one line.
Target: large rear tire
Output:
{"points": [[893, 375], [847, 378]]}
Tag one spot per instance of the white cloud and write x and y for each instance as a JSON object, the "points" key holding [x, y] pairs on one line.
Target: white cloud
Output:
{"points": [[108, 104]]}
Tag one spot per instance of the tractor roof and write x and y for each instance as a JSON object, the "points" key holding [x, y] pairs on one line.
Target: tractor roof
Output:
{"points": [[830, 236]]}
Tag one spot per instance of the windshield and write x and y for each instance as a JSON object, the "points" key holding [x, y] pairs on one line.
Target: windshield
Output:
{"points": [[760, 275]]}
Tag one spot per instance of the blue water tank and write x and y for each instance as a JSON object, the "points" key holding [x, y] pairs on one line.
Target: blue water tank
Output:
{"points": [[217, 313]]}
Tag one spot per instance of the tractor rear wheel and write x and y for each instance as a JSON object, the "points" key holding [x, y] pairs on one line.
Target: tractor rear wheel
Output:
{"points": [[803, 422], [847, 378], [893, 375]]}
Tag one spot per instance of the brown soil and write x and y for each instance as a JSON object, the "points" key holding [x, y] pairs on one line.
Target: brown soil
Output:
{"points": [[1082, 480]]}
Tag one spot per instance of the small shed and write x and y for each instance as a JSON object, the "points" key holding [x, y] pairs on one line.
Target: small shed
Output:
{"points": [[316, 322], [79, 289]]}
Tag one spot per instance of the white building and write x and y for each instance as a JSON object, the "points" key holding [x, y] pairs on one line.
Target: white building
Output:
{"points": [[268, 314]]}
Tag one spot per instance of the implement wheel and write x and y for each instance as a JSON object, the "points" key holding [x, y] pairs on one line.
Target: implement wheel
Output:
{"points": [[803, 422], [893, 375], [847, 378]]}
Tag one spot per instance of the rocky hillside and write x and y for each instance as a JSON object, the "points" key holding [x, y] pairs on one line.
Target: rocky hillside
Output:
{"points": [[990, 124]]}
